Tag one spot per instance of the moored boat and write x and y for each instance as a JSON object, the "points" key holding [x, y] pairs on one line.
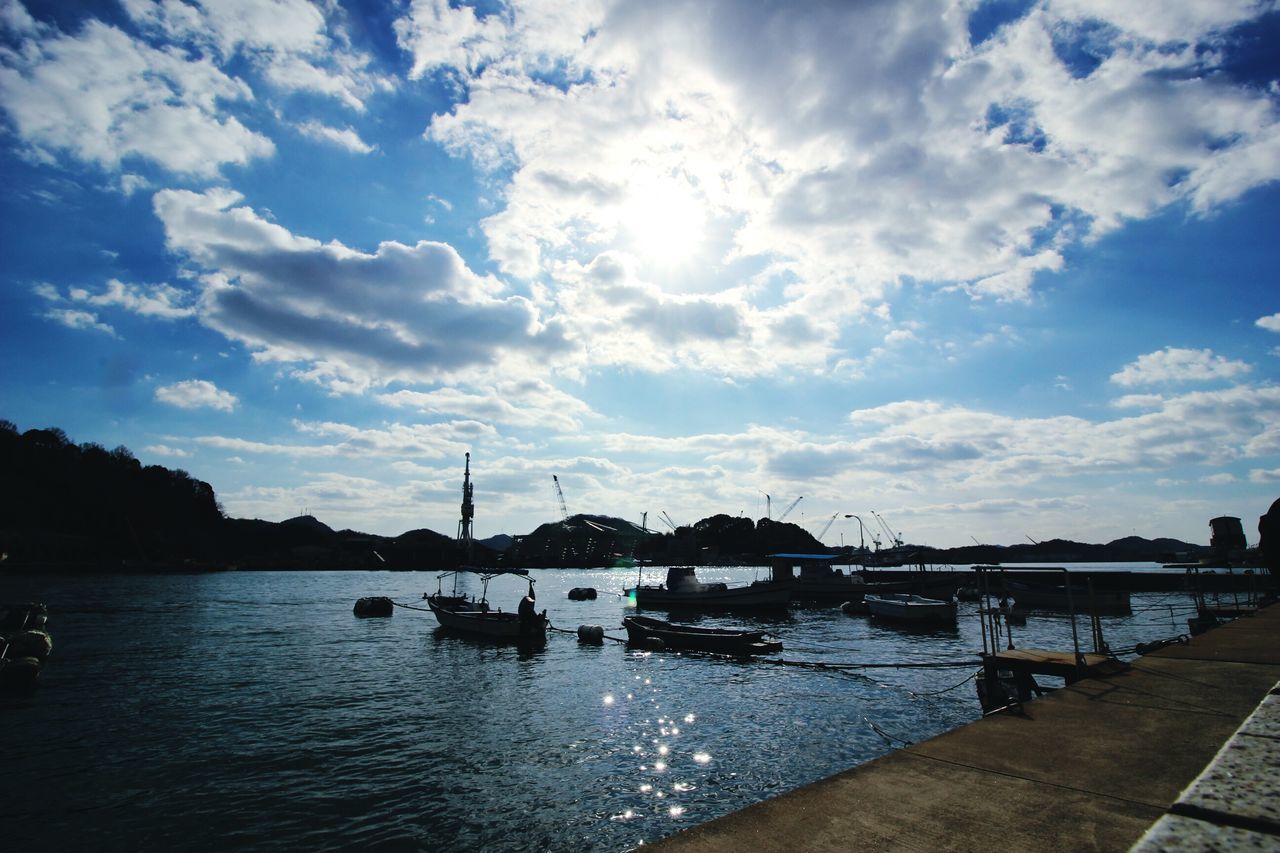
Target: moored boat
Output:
{"points": [[683, 590], [643, 630], [1060, 597], [817, 582], [906, 607], [478, 619], [24, 643]]}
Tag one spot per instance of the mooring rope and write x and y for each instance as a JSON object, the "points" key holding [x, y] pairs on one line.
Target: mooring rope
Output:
{"points": [[411, 607]]}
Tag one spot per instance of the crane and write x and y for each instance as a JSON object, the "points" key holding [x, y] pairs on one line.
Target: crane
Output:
{"points": [[668, 520], [790, 507], [894, 540], [827, 526], [564, 510]]}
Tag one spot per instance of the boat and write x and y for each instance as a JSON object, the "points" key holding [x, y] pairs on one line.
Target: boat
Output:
{"points": [[817, 582], [643, 631], [908, 607], [476, 618], [682, 589], [24, 643], [1050, 597]]}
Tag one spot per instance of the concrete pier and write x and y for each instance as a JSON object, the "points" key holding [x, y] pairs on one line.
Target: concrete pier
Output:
{"points": [[1093, 766]]}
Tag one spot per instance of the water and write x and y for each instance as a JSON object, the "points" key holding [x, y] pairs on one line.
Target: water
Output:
{"points": [[253, 709]]}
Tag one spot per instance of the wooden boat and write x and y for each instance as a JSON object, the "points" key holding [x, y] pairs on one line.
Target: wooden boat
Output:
{"points": [[643, 630], [683, 590], [905, 607], [478, 619]]}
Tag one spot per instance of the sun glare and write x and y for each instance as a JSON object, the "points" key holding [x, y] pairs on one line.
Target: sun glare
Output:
{"points": [[662, 222]]}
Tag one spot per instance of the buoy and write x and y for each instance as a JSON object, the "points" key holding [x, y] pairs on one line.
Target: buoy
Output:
{"points": [[378, 605], [654, 644], [593, 634], [854, 608], [582, 593]]}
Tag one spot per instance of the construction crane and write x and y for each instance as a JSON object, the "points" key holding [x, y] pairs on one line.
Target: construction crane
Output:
{"points": [[668, 520], [894, 540], [790, 507], [831, 521], [564, 509]]}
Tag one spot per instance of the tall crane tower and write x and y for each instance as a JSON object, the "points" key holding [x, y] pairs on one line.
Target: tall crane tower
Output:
{"points": [[468, 512], [564, 509], [790, 507]]}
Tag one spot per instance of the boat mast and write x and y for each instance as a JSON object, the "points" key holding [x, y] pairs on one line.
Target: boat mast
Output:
{"points": [[468, 511]]}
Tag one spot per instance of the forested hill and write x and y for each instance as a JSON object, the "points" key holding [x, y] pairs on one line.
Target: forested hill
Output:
{"points": [[65, 505], [83, 507]]}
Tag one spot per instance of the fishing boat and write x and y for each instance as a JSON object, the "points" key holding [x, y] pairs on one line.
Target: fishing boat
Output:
{"points": [[1059, 597], [24, 643], [683, 590], [907, 607], [643, 631], [477, 619], [817, 581]]}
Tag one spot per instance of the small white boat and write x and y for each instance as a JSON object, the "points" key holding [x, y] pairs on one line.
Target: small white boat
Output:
{"points": [[904, 607]]}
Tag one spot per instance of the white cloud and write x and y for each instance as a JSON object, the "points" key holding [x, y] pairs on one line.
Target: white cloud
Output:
{"points": [[845, 148], [75, 319], [290, 41], [160, 301], [1265, 475], [196, 394], [404, 312], [166, 450], [530, 403], [104, 97], [1174, 364], [1271, 323], [342, 137]]}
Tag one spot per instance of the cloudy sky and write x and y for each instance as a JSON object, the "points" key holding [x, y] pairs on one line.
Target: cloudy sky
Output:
{"points": [[993, 269]]}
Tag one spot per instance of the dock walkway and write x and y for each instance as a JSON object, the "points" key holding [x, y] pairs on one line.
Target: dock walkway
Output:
{"points": [[1093, 766]]}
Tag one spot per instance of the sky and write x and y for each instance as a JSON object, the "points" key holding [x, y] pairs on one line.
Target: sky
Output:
{"points": [[988, 270]]}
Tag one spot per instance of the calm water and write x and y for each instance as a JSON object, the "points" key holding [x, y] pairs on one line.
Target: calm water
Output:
{"points": [[252, 709]]}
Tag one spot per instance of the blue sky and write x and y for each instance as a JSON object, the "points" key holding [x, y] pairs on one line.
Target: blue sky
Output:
{"points": [[993, 270]]}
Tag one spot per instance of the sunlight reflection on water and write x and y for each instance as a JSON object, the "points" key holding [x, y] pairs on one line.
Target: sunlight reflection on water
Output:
{"points": [[253, 709]]}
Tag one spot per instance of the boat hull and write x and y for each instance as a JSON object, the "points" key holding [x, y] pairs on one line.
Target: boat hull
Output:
{"points": [[1055, 598], [491, 625], [642, 630], [713, 596], [910, 608]]}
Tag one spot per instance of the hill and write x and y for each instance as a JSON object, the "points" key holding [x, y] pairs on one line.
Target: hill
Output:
{"points": [[83, 507]]}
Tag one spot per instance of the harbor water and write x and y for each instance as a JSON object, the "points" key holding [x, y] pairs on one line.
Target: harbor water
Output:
{"points": [[252, 709]]}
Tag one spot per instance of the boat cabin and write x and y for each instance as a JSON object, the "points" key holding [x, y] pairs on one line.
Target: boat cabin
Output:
{"points": [[812, 567], [683, 579]]}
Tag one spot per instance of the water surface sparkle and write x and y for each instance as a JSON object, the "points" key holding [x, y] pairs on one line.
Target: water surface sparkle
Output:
{"points": [[253, 710]]}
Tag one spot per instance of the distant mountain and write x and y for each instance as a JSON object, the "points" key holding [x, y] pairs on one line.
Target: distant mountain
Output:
{"points": [[82, 507], [500, 543]]}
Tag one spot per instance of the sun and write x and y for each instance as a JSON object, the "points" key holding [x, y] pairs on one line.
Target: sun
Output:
{"points": [[662, 222]]}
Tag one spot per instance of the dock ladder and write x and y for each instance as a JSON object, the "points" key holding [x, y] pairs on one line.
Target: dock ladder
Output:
{"points": [[1008, 673]]}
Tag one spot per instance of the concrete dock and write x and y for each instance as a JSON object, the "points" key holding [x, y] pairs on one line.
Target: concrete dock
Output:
{"points": [[1099, 765]]}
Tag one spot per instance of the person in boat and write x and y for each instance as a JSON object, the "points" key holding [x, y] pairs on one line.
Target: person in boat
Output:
{"points": [[528, 608]]}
